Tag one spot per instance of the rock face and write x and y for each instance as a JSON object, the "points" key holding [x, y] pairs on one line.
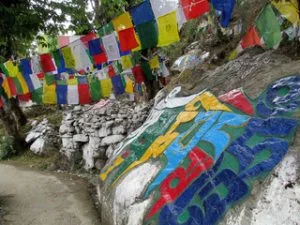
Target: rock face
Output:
{"points": [[91, 133], [199, 156], [43, 138]]}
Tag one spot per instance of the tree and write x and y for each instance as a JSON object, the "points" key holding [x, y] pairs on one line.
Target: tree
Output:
{"points": [[20, 22]]}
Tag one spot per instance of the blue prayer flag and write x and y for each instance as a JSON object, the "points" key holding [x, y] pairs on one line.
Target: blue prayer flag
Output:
{"points": [[142, 13], [118, 84], [62, 93], [25, 67], [94, 47], [226, 7]]}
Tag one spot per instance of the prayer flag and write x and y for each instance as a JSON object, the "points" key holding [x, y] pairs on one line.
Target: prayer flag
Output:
{"points": [[106, 87], [61, 91], [154, 62], [168, 29], [26, 67], [250, 39], [126, 62], [95, 47], [122, 22], [142, 13], [111, 47], [138, 74], [49, 94], [148, 34], [25, 97], [95, 88], [37, 96], [35, 64], [68, 57], [11, 68], [47, 63], [127, 39], [289, 9], [268, 27], [106, 29], [163, 7], [35, 81], [118, 85], [226, 7], [129, 86], [111, 71], [23, 84], [117, 67], [194, 8], [59, 61], [86, 38], [84, 94], [82, 60], [72, 95], [147, 70]]}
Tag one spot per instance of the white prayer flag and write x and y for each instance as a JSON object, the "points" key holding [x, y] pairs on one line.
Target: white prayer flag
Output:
{"points": [[163, 7], [111, 47], [73, 98]]}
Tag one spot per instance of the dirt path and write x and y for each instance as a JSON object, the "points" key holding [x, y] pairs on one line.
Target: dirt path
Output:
{"points": [[35, 198]]}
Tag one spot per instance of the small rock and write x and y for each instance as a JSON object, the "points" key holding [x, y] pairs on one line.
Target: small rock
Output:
{"points": [[113, 139], [80, 138]]}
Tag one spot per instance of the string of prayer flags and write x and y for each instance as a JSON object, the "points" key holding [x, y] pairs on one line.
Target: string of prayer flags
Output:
{"points": [[250, 39], [95, 88], [117, 85], [49, 96], [106, 87], [122, 22], [194, 8], [163, 7], [47, 63], [84, 94], [111, 47], [268, 27], [289, 10], [127, 39], [68, 57], [138, 74], [142, 13], [72, 95], [148, 34], [62, 91], [168, 29], [226, 7]]}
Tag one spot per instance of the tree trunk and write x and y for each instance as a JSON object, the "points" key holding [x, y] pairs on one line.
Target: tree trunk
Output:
{"points": [[11, 129], [17, 111]]}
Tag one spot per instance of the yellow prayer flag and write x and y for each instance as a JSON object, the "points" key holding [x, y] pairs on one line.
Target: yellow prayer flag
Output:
{"points": [[68, 57], [122, 22], [126, 62], [168, 29], [49, 96], [23, 83], [12, 69], [129, 86], [106, 87], [233, 55], [6, 88], [73, 81], [289, 9], [154, 62]]}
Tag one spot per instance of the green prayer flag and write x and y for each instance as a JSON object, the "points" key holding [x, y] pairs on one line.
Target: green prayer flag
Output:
{"points": [[268, 27], [148, 34], [18, 85], [37, 96], [50, 79], [106, 29], [95, 88], [117, 67], [4, 70], [136, 58], [147, 70]]}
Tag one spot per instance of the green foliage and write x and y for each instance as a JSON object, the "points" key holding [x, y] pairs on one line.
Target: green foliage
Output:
{"points": [[6, 147]]}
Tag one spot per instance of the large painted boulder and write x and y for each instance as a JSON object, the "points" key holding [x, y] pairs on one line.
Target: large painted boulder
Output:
{"points": [[198, 156]]}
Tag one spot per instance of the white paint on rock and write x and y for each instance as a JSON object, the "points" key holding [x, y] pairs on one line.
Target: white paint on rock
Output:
{"points": [[38, 146], [129, 189], [137, 211]]}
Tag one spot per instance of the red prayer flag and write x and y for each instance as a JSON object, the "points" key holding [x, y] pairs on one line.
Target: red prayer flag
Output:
{"points": [[138, 74], [1, 102], [127, 39], [47, 63], [86, 38], [41, 76], [25, 97], [84, 94], [194, 8], [250, 39], [111, 71], [100, 58]]}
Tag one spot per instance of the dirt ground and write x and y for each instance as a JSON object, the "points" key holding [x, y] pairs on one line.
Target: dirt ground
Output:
{"points": [[29, 197]]}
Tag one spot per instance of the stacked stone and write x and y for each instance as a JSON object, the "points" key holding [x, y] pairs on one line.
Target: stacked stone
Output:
{"points": [[43, 137], [93, 134]]}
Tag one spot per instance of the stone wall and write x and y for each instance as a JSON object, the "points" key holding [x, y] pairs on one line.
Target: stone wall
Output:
{"points": [[91, 133]]}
